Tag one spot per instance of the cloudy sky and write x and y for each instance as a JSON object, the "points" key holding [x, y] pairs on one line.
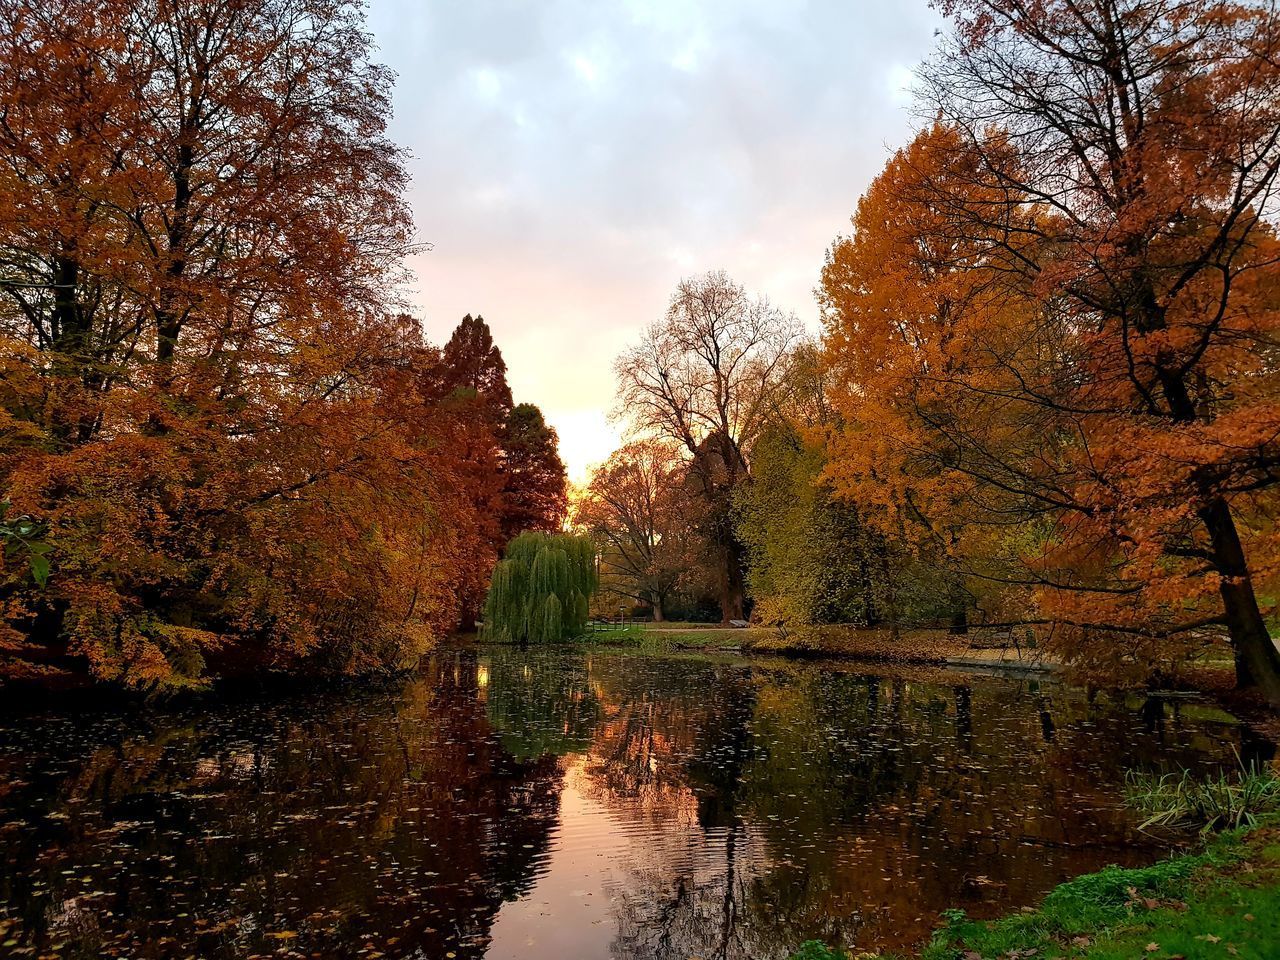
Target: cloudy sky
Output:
{"points": [[573, 159]]}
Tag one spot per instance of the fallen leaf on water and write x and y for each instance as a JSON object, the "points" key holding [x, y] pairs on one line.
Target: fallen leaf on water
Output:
{"points": [[1152, 947], [1208, 937]]}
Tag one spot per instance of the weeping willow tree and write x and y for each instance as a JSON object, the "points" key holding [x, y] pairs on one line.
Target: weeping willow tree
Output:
{"points": [[541, 589]]}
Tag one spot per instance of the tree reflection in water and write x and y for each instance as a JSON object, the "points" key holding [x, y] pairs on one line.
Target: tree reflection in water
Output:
{"points": [[544, 804]]}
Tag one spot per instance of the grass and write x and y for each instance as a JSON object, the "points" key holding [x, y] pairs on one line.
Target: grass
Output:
{"points": [[632, 636], [663, 637], [1223, 902], [1224, 802]]}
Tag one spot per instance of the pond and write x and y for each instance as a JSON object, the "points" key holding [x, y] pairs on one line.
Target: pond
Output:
{"points": [[564, 804]]}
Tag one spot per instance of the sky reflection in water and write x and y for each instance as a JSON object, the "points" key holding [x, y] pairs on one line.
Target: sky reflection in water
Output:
{"points": [[558, 805]]}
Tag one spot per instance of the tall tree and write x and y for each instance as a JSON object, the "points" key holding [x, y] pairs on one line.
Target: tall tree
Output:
{"points": [[705, 378], [204, 394], [1125, 156], [913, 317], [636, 511], [534, 495], [514, 477], [467, 379], [472, 370]]}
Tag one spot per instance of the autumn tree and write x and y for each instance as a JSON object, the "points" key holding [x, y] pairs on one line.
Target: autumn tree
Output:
{"points": [[704, 378], [515, 480], [809, 559], [1110, 183], [636, 511], [534, 494], [467, 380], [206, 400], [812, 555], [922, 339]]}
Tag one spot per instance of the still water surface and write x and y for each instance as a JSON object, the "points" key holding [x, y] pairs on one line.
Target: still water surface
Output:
{"points": [[562, 805]]}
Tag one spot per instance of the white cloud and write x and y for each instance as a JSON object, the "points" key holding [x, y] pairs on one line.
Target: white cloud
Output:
{"points": [[487, 83], [574, 158]]}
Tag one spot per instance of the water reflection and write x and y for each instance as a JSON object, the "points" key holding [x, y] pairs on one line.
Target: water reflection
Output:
{"points": [[554, 805]]}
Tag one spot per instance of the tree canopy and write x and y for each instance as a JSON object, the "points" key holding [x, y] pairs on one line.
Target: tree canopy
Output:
{"points": [[224, 445], [541, 589]]}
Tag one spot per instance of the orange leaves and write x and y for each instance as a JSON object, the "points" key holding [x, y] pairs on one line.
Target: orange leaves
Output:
{"points": [[1053, 329], [208, 391], [910, 318]]}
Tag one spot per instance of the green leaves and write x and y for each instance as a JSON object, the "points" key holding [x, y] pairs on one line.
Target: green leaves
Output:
{"points": [[24, 536], [540, 592], [39, 562]]}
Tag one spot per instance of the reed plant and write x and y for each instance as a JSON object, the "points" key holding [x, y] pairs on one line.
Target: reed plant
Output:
{"points": [[1184, 800]]}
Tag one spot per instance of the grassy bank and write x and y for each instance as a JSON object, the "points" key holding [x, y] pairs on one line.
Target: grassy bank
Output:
{"points": [[1223, 902], [929, 646]]}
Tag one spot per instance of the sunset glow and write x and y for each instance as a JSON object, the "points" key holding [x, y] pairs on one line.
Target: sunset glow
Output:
{"points": [[596, 153]]}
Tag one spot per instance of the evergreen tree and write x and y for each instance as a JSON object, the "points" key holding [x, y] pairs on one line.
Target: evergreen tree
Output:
{"points": [[471, 370]]}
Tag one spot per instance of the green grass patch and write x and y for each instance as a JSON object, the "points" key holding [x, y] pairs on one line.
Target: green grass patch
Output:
{"points": [[632, 636], [646, 637]]}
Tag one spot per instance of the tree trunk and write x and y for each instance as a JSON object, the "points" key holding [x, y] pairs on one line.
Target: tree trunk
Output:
{"points": [[658, 614], [959, 615], [733, 589], [890, 598], [1257, 660]]}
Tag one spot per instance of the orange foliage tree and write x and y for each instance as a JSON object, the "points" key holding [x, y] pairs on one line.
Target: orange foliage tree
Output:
{"points": [[636, 510], [914, 316], [1100, 366], [507, 457], [209, 401]]}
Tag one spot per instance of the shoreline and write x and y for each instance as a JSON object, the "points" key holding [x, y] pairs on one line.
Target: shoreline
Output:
{"points": [[1221, 900]]}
